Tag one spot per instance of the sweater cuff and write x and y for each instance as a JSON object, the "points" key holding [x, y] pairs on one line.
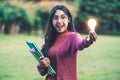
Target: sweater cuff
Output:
{"points": [[88, 40], [42, 71]]}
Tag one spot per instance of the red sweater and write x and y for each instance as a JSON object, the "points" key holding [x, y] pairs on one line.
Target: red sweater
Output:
{"points": [[63, 56]]}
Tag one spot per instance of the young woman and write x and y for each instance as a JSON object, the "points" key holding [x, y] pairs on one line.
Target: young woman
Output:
{"points": [[61, 46]]}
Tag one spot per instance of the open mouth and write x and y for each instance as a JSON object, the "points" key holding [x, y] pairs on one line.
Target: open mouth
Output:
{"points": [[59, 26]]}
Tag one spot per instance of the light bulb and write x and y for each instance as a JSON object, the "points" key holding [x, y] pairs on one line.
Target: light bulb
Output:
{"points": [[92, 24]]}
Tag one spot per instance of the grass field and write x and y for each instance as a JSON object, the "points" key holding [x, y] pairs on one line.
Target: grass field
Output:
{"points": [[101, 61]]}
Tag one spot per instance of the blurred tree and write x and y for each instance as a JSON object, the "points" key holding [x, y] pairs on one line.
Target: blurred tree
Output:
{"points": [[44, 16], [2, 25], [25, 15], [37, 21], [12, 19], [104, 10], [26, 22]]}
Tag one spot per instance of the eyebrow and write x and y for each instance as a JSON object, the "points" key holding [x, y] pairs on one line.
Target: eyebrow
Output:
{"points": [[60, 15]]}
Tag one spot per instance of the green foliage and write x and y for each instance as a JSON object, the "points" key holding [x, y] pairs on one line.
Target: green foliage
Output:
{"points": [[105, 11], [10, 13], [14, 18], [26, 14], [29, 15], [37, 20], [102, 9], [41, 18]]}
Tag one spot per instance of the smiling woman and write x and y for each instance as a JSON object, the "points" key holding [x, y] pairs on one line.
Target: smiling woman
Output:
{"points": [[60, 21], [61, 46]]}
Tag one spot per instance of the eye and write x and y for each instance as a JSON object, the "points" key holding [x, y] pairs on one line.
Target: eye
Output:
{"points": [[55, 17], [63, 16]]}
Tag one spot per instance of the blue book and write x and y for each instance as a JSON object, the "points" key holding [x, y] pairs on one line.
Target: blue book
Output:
{"points": [[36, 52]]}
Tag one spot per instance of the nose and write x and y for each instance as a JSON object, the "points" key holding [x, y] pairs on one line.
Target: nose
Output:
{"points": [[59, 20]]}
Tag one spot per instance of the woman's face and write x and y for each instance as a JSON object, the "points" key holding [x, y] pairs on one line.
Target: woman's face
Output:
{"points": [[60, 21]]}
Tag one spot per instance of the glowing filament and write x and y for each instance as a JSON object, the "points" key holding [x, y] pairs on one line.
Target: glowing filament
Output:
{"points": [[92, 24]]}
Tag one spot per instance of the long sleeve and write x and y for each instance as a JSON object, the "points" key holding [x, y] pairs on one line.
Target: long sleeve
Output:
{"points": [[42, 71], [80, 43]]}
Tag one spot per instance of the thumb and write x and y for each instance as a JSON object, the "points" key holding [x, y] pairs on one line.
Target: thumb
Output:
{"points": [[41, 58]]}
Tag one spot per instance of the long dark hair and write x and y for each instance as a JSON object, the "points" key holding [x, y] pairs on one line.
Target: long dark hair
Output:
{"points": [[51, 33]]}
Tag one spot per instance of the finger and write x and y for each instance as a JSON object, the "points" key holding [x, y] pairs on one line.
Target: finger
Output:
{"points": [[91, 38], [46, 64], [47, 60], [93, 35], [41, 58]]}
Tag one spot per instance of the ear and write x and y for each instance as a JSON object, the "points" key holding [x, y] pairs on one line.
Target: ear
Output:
{"points": [[69, 19]]}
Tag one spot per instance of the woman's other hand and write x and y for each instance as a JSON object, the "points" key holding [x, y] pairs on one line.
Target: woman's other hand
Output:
{"points": [[44, 62]]}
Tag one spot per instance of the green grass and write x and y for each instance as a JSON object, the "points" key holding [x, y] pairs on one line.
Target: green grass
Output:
{"points": [[101, 61]]}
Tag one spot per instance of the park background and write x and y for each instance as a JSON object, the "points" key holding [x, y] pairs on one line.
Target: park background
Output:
{"points": [[22, 20]]}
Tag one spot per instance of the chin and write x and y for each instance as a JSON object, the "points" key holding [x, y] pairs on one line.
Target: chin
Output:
{"points": [[60, 31]]}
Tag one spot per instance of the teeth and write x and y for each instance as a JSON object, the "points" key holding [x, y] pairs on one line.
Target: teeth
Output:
{"points": [[59, 26]]}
